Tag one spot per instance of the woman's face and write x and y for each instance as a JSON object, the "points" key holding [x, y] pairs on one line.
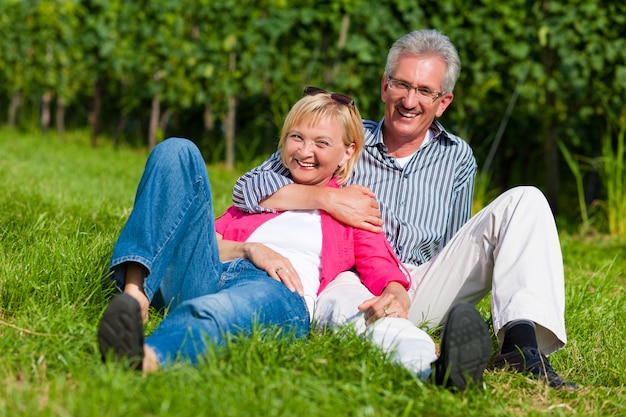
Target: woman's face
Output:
{"points": [[313, 152]]}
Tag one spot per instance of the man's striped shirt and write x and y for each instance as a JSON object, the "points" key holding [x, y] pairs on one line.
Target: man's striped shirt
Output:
{"points": [[423, 204]]}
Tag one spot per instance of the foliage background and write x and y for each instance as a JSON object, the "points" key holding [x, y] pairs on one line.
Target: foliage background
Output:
{"points": [[224, 73]]}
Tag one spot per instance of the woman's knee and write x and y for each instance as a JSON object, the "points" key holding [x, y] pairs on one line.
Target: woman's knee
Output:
{"points": [[172, 147], [177, 155]]}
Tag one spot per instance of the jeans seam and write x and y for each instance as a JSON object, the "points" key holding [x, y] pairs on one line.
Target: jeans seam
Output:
{"points": [[180, 218]]}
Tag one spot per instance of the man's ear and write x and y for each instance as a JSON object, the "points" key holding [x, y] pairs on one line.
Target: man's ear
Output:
{"points": [[444, 102], [384, 86]]}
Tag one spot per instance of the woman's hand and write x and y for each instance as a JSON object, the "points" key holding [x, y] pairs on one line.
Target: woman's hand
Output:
{"points": [[275, 264], [393, 302]]}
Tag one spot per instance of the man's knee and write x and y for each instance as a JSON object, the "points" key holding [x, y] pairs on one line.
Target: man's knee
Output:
{"points": [[526, 192]]}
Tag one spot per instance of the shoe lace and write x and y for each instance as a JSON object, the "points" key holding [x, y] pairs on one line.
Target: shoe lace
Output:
{"points": [[538, 364]]}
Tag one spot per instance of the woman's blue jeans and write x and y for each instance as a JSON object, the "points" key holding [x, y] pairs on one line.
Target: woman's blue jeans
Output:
{"points": [[171, 232]]}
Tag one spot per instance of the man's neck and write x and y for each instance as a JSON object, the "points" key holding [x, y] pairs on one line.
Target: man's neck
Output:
{"points": [[402, 147]]}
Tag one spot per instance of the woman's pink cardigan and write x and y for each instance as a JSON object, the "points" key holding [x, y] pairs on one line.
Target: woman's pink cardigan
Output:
{"points": [[343, 248]]}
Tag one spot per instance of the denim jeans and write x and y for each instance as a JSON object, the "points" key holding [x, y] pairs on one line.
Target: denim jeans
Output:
{"points": [[171, 232]]}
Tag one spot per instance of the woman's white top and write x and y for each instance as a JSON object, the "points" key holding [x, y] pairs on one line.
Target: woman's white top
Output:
{"points": [[297, 235]]}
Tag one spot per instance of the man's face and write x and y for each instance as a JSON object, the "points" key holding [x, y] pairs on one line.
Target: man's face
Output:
{"points": [[409, 114]]}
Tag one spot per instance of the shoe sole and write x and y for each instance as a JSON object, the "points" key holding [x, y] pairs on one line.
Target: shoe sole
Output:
{"points": [[465, 348], [120, 332]]}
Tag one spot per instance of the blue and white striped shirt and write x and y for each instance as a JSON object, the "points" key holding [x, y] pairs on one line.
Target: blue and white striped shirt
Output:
{"points": [[423, 204]]}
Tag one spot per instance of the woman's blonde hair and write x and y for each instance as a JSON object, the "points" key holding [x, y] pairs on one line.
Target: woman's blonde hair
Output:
{"points": [[313, 108]]}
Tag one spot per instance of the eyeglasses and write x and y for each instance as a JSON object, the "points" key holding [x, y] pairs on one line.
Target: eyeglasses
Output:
{"points": [[403, 87], [339, 98]]}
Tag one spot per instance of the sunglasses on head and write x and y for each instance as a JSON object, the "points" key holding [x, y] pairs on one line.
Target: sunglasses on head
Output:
{"points": [[339, 98]]}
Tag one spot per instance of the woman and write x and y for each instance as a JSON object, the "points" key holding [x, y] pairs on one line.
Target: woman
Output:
{"points": [[224, 277]]}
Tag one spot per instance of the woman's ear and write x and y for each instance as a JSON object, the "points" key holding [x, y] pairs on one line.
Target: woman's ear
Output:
{"points": [[348, 154]]}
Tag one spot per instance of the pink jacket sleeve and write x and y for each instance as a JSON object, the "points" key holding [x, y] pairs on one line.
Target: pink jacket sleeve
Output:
{"points": [[222, 222], [377, 263]]}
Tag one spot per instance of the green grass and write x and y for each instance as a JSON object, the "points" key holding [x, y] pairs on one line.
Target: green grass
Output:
{"points": [[62, 205]]}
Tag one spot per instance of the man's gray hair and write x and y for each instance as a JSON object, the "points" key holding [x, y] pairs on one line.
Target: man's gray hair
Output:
{"points": [[427, 42]]}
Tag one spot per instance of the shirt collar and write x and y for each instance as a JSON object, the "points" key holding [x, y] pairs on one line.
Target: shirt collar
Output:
{"points": [[439, 132]]}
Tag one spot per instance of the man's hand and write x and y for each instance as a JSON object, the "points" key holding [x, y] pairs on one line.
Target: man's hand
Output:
{"points": [[393, 302], [355, 206], [275, 264]]}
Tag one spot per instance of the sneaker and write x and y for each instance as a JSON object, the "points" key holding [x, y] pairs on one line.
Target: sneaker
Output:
{"points": [[465, 349], [534, 363], [121, 331]]}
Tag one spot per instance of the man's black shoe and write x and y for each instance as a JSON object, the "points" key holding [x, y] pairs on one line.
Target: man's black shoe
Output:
{"points": [[465, 349], [534, 363]]}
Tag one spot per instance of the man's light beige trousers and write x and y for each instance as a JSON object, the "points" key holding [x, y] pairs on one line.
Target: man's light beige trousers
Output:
{"points": [[510, 249]]}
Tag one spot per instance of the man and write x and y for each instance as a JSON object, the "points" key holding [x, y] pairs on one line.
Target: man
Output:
{"points": [[420, 179]]}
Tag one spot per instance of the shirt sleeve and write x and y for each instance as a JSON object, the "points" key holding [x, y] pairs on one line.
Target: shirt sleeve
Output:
{"points": [[259, 183]]}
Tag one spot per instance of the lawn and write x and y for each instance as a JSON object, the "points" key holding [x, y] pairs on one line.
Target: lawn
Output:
{"points": [[62, 205]]}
